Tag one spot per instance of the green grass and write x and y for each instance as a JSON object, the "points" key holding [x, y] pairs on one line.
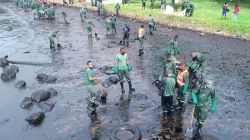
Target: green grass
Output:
{"points": [[207, 16]]}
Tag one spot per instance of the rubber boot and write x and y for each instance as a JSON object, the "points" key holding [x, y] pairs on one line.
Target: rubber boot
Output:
{"points": [[140, 52], [122, 88], [180, 105], [198, 133], [90, 107], [130, 86]]}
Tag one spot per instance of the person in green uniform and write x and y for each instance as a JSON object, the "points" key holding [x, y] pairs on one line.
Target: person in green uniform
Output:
{"points": [[117, 9], [89, 79], [168, 88], [83, 13], [126, 33], [143, 4], [202, 96], [166, 65], [182, 84], [52, 36], [108, 27], [173, 49], [199, 61], [104, 11], [151, 24], [71, 1], [123, 68], [89, 26], [50, 13], [113, 22], [152, 4], [99, 7], [92, 3]]}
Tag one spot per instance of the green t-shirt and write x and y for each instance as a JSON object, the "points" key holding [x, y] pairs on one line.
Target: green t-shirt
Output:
{"points": [[121, 61], [204, 95], [52, 34], [89, 73], [169, 86]]}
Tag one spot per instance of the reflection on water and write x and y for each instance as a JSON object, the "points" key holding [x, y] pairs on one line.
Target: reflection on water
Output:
{"points": [[12, 32]]}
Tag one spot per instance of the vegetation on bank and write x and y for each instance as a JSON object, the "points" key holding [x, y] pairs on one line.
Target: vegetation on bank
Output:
{"points": [[207, 16]]}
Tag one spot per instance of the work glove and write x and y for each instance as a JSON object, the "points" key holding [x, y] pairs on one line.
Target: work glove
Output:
{"points": [[160, 78], [194, 98], [185, 89], [173, 76], [116, 70], [129, 67], [213, 108]]}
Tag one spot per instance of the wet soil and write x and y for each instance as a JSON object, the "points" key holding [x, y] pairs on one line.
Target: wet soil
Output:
{"points": [[228, 66]]}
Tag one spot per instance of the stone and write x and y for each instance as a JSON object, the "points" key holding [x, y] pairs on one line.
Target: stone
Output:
{"points": [[4, 62], [36, 118], [26, 103], [109, 81], [40, 96], [20, 84], [52, 92], [44, 78], [9, 73], [46, 106], [114, 79]]}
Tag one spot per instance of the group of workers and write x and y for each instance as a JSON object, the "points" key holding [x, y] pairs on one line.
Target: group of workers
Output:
{"points": [[186, 78], [40, 9]]}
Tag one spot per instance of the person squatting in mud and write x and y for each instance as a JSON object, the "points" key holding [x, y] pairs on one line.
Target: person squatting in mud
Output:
{"points": [[122, 69], [89, 79]]}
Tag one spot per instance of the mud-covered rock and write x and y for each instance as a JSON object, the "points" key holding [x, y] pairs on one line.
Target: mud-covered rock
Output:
{"points": [[21, 84], [52, 92], [109, 81], [9, 73], [26, 103], [46, 106], [4, 62], [114, 79], [36, 118], [44, 78], [40, 96]]}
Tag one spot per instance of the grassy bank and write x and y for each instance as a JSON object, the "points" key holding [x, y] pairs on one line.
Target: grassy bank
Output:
{"points": [[207, 16]]}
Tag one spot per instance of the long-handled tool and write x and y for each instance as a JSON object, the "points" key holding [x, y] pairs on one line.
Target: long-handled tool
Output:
{"points": [[58, 44], [103, 94], [190, 130]]}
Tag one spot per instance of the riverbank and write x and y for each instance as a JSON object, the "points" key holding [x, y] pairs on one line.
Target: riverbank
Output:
{"points": [[206, 17]]}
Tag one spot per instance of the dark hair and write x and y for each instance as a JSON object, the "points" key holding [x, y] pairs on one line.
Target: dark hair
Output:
{"points": [[142, 26], [88, 62], [176, 36], [122, 48]]}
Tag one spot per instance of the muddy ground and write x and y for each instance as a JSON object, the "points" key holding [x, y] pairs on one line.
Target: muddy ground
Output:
{"points": [[228, 65]]}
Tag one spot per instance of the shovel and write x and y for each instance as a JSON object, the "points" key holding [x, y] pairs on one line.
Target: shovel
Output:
{"points": [[190, 130]]}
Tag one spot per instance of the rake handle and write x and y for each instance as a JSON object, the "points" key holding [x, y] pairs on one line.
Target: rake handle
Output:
{"points": [[192, 117]]}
